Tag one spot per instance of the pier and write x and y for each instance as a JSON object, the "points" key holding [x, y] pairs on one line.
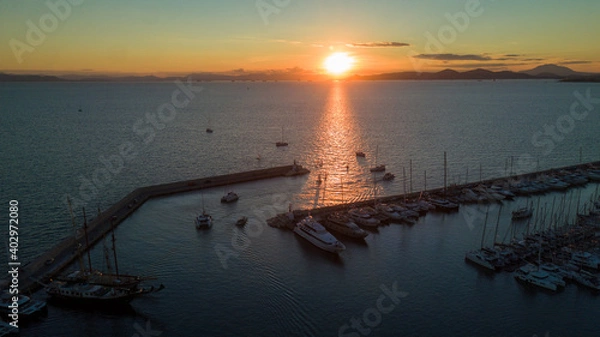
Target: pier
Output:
{"points": [[284, 221], [34, 273]]}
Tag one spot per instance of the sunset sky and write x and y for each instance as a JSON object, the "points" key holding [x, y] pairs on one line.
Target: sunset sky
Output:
{"points": [[183, 36]]}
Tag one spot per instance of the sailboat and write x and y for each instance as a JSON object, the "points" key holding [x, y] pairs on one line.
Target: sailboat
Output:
{"points": [[377, 168], [480, 257], [281, 143], [93, 288], [204, 220]]}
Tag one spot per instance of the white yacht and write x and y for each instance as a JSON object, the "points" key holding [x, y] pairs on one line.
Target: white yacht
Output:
{"points": [[316, 234], [203, 221]]}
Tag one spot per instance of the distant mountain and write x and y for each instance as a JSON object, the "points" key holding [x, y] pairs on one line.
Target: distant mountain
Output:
{"points": [[28, 78], [552, 71], [548, 71], [448, 74]]}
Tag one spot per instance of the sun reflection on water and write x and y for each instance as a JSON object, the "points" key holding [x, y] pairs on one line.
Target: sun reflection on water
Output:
{"points": [[337, 174]]}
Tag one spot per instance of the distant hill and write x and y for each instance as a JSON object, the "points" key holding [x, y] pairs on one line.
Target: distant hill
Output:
{"points": [[548, 71], [28, 78], [448, 74], [552, 71]]}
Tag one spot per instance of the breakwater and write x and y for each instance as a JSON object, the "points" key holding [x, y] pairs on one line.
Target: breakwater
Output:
{"points": [[38, 271]]}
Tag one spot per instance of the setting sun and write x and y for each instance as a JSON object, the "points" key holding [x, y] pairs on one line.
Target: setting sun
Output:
{"points": [[338, 63]]}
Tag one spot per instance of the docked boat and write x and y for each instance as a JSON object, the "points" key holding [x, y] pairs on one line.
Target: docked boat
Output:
{"points": [[230, 197], [389, 211], [585, 260], [342, 224], [522, 213], [93, 295], [587, 279], [315, 233], [28, 307], [241, 221], [479, 258], [105, 279], [363, 218], [360, 154], [538, 278], [204, 221], [443, 205]]}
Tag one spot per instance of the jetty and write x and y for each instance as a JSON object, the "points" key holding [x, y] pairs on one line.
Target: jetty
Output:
{"points": [[35, 273], [452, 193]]}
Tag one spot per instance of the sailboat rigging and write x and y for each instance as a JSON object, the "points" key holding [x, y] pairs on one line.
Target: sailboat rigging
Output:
{"points": [[281, 143], [377, 168]]}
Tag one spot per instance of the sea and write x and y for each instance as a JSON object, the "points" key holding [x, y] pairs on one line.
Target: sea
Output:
{"points": [[94, 142]]}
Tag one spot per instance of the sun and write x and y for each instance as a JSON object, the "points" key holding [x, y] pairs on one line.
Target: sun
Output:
{"points": [[338, 63]]}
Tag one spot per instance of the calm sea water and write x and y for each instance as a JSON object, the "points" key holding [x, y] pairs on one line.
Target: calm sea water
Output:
{"points": [[273, 283]]}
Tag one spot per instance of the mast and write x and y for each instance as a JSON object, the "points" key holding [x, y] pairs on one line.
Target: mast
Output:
{"points": [[445, 172], [497, 223], [77, 245], [484, 225], [87, 243], [114, 248], [410, 175]]}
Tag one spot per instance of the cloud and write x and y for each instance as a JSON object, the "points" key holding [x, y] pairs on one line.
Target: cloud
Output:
{"points": [[377, 45], [453, 57], [487, 65], [575, 62]]}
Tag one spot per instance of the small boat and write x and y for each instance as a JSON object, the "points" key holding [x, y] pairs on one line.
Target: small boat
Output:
{"points": [[522, 213], [209, 130], [478, 257], [360, 154], [281, 143], [229, 197], [28, 307], [315, 233], [342, 223], [377, 168], [241, 221], [203, 221], [8, 330], [388, 176]]}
